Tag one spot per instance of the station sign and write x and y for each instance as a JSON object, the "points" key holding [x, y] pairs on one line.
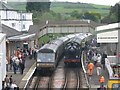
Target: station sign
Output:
{"points": [[108, 37]]}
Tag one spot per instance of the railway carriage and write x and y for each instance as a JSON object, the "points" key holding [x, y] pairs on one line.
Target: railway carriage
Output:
{"points": [[49, 55]]}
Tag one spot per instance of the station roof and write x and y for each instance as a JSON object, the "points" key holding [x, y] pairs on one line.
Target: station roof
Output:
{"points": [[108, 27], [22, 37], [9, 31]]}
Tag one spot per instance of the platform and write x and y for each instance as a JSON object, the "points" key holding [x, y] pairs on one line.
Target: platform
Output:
{"points": [[22, 80], [94, 81]]}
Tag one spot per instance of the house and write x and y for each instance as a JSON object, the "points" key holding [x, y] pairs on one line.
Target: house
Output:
{"points": [[15, 19]]}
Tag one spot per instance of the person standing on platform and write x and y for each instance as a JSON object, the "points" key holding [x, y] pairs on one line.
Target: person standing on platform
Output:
{"points": [[14, 63], [35, 54], [95, 58], [99, 68], [30, 53], [90, 55], [11, 80], [21, 65], [98, 64], [11, 62], [102, 80], [7, 81], [90, 68], [103, 59]]}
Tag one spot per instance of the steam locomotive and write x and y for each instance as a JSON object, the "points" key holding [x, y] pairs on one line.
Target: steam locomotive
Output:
{"points": [[73, 49]]}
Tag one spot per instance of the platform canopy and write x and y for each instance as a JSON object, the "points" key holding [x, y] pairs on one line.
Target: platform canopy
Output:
{"points": [[22, 37]]}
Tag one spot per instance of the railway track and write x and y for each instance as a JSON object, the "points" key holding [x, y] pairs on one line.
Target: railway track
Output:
{"points": [[62, 78], [72, 79], [41, 81], [44, 81]]}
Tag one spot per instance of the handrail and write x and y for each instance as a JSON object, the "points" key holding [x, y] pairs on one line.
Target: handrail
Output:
{"points": [[109, 68], [83, 67]]}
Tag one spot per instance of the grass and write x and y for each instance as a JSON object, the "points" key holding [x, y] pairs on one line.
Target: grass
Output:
{"points": [[21, 6], [66, 8]]}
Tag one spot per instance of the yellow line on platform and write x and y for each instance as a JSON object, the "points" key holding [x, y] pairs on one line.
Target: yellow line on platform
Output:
{"points": [[30, 72]]}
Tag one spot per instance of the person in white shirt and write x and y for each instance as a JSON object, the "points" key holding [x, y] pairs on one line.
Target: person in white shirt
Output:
{"points": [[99, 57], [13, 86], [95, 58], [98, 64], [14, 64]]}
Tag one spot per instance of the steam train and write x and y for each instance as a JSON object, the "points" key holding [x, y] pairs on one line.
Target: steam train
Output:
{"points": [[73, 49], [49, 55]]}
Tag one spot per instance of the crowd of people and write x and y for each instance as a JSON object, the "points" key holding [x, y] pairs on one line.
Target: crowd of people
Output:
{"points": [[17, 61], [95, 59], [17, 64], [9, 84], [98, 60]]}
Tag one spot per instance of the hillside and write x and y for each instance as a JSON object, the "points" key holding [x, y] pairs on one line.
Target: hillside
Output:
{"points": [[68, 7], [65, 8], [18, 5]]}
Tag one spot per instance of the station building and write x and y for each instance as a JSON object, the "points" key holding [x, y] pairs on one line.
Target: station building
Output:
{"points": [[109, 38]]}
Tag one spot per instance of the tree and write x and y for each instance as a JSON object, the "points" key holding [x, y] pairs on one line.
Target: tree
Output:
{"points": [[90, 16], [76, 14], [38, 6], [114, 15]]}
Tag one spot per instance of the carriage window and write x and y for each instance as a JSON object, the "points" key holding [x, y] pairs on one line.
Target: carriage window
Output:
{"points": [[46, 57]]}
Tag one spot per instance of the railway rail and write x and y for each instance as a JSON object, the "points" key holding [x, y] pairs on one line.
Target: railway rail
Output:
{"points": [[72, 78], [62, 78]]}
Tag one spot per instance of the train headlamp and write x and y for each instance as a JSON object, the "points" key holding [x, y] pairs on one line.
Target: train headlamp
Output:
{"points": [[38, 64]]}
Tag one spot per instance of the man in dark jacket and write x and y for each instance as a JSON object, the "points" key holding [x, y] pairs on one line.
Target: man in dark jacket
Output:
{"points": [[103, 59]]}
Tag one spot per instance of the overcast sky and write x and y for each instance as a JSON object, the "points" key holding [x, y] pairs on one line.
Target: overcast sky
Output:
{"points": [[100, 2]]}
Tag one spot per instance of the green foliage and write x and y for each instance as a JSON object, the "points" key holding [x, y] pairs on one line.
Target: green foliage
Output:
{"points": [[86, 15], [114, 15], [67, 8], [76, 14], [64, 10]]}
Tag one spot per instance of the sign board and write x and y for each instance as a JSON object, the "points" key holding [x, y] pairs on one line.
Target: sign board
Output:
{"points": [[108, 37]]}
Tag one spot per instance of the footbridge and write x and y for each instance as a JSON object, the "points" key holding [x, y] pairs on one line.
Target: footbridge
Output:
{"points": [[71, 26]]}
